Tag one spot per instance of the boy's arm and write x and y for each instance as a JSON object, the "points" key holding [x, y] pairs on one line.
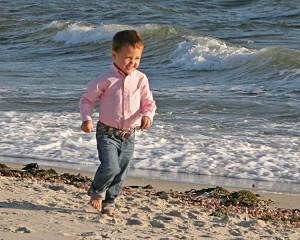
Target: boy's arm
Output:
{"points": [[148, 105], [86, 108], [86, 105]]}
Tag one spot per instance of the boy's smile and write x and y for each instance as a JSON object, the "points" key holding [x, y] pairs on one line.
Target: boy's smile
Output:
{"points": [[128, 58]]}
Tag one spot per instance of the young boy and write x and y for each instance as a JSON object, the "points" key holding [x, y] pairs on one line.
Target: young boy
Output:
{"points": [[126, 104]]}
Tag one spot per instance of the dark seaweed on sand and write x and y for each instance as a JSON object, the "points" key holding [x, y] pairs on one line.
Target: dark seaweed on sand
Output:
{"points": [[33, 170]]}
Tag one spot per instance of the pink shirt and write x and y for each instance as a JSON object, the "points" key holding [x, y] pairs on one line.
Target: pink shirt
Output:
{"points": [[123, 99]]}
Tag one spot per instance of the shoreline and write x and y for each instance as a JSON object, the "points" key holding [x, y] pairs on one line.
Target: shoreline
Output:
{"points": [[193, 179], [281, 199]]}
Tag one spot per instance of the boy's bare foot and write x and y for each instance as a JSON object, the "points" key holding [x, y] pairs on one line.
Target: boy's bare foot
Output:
{"points": [[109, 211], [109, 208], [96, 203]]}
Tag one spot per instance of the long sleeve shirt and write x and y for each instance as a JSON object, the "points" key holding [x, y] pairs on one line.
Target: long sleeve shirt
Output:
{"points": [[124, 99]]}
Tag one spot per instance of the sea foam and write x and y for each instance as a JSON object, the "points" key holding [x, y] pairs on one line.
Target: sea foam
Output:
{"points": [[82, 32], [162, 148], [78, 33], [206, 53]]}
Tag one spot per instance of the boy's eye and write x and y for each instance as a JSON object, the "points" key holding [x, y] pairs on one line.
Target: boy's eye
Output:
{"points": [[130, 58]]}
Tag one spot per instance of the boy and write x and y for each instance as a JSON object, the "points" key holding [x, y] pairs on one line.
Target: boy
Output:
{"points": [[126, 104]]}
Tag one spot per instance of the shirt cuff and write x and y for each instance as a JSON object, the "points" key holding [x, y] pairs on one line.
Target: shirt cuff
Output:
{"points": [[86, 118], [149, 115]]}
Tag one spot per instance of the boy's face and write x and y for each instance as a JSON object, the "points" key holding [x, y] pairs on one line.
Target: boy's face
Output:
{"points": [[127, 58]]}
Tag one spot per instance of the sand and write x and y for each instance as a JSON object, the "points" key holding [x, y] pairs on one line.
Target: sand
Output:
{"points": [[34, 209]]}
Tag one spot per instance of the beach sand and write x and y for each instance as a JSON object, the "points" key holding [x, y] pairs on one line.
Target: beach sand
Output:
{"points": [[36, 209]]}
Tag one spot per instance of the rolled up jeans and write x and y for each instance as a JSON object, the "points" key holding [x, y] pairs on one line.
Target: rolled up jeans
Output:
{"points": [[115, 155]]}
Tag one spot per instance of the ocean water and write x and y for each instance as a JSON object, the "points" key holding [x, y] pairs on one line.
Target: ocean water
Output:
{"points": [[225, 76]]}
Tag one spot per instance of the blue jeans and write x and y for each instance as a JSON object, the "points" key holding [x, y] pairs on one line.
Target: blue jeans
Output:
{"points": [[114, 155]]}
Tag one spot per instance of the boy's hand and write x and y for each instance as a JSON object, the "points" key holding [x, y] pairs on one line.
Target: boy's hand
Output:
{"points": [[87, 126], [146, 122]]}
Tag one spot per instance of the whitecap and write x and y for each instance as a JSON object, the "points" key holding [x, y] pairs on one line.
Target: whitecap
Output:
{"points": [[206, 53]]}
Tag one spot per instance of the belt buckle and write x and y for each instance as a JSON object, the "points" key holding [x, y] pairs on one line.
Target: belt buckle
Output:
{"points": [[126, 135]]}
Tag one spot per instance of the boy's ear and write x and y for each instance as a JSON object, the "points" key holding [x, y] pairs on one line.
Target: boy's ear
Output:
{"points": [[113, 54]]}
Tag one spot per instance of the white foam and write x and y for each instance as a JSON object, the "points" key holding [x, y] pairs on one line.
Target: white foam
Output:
{"points": [[57, 24], [78, 33], [206, 53], [81, 32], [56, 137]]}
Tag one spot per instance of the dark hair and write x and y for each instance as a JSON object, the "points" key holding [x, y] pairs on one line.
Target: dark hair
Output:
{"points": [[127, 37]]}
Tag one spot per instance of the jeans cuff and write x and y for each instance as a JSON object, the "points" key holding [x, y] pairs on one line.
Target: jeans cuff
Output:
{"points": [[96, 195], [109, 206]]}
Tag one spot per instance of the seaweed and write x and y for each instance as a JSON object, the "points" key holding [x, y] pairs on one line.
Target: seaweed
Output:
{"points": [[242, 198], [33, 170]]}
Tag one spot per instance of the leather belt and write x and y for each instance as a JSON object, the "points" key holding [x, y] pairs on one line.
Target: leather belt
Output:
{"points": [[121, 134]]}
